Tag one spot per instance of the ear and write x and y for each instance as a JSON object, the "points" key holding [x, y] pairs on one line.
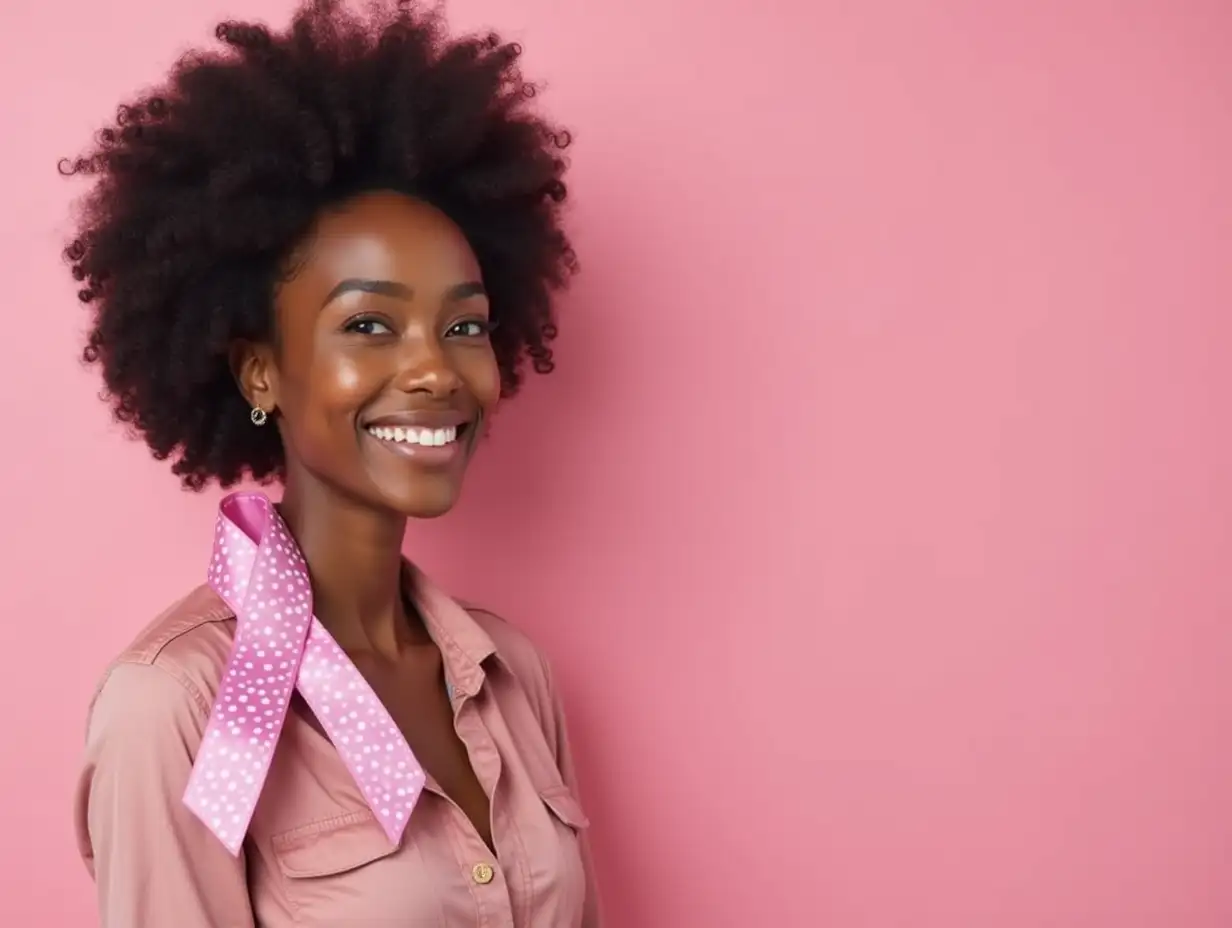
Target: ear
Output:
{"points": [[254, 370]]}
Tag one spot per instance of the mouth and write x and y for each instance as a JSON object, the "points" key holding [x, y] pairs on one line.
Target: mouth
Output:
{"points": [[422, 445], [414, 435]]}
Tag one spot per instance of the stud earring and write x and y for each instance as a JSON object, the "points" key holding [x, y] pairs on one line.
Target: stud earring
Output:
{"points": [[258, 416]]}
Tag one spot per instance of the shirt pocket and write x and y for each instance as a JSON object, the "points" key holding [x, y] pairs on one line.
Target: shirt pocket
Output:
{"points": [[345, 871], [564, 806], [330, 847]]}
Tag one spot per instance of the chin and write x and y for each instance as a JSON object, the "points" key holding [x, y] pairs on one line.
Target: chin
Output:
{"points": [[421, 502], [414, 490], [426, 510]]}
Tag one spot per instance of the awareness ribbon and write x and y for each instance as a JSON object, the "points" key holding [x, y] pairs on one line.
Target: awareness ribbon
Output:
{"points": [[260, 573]]}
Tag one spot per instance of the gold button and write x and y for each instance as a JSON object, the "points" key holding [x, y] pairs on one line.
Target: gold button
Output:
{"points": [[482, 873]]}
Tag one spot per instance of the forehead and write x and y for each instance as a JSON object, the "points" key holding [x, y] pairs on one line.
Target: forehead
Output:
{"points": [[385, 236]]}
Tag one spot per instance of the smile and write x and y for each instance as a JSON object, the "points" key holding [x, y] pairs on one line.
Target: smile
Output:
{"points": [[431, 438], [421, 445]]}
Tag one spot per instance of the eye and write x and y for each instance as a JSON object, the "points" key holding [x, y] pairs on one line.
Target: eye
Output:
{"points": [[367, 325], [471, 328]]}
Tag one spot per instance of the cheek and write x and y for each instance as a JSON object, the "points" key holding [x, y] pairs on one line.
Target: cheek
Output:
{"points": [[344, 378], [485, 382], [329, 391], [335, 383]]}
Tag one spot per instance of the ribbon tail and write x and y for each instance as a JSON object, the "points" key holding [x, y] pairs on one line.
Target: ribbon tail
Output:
{"points": [[362, 731]]}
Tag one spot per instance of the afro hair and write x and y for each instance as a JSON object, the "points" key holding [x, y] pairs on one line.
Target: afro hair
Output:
{"points": [[203, 187]]}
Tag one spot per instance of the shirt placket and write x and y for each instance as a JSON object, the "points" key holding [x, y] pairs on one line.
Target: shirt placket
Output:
{"points": [[485, 871]]}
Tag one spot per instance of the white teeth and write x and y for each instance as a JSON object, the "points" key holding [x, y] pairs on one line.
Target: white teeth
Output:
{"points": [[415, 436]]}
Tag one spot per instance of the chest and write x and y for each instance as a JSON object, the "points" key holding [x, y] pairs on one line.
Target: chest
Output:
{"points": [[325, 860], [418, 700]]}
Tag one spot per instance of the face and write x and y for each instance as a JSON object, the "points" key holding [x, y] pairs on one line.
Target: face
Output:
{"points": [[383, 372]]}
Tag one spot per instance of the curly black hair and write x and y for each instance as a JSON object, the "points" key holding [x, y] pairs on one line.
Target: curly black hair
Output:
{"points": [[204, 186]]}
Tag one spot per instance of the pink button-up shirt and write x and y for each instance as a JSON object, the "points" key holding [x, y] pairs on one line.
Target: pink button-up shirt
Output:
{"points": [[314, 853]]}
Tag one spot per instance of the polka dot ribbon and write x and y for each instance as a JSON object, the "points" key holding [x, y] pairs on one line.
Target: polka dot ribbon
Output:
{"points": [[259, 572]]}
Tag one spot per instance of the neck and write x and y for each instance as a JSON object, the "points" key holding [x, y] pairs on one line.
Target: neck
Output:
{"points": [[354, 556]]}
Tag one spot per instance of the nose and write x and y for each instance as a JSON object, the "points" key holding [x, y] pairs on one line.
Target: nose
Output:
{"points": [[425, 367]]}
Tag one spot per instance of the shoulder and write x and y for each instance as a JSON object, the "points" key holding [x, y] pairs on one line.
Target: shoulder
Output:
{"points": [[144, 727], [516, 649], [525, 662], [180, 655]]}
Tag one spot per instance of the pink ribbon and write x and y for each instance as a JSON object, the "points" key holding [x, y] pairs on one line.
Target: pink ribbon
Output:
{"points": [[279, 645]]}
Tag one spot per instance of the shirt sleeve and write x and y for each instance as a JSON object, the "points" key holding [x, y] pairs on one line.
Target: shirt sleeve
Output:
{"points": [[153, 862], [592, 916]]}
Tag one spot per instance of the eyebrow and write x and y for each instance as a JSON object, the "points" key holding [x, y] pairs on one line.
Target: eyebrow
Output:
{"points": [[379, 287], [392, 288]]}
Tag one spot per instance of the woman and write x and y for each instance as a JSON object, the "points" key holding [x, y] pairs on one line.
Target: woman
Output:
{"points": [[319, 257]]}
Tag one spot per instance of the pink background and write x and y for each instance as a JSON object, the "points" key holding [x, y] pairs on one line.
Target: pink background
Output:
{"points": [[878, 517]]}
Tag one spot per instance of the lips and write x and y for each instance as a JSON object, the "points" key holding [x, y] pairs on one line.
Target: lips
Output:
{"points": [[419, 419], [414, 435], [428, 437]]}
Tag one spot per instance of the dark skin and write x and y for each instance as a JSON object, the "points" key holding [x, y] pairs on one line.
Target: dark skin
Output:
{"points": [[382, 333]]}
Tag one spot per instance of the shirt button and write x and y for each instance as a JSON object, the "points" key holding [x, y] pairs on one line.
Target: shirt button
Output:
{"points": [[482, 874]]}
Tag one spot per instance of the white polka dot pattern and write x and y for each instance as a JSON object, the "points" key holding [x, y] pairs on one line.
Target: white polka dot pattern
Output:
{"points": [[259, 572]]}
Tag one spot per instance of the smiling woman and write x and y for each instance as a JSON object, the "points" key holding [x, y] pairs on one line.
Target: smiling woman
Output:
{"points": [[319, 258]]}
